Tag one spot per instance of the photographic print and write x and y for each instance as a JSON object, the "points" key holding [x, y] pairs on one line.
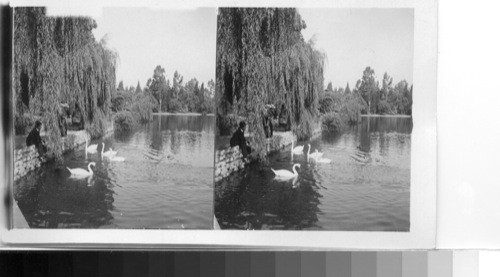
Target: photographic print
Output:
{"points": [[314, 119], [114, 118]]}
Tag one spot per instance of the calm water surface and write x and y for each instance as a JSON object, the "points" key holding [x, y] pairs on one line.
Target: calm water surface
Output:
{"points": [[365, 188], [165, 181]]}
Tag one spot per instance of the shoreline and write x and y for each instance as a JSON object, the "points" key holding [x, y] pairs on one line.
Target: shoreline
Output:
{"points": [[386, 115], [188, 114]]}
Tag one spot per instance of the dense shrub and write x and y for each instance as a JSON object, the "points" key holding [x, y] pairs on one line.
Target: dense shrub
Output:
{"points": [[122, 100], [325, 104], [330, 101], [142, 108], [98, 126], [23, 124], [227, 124], [304, 130], [331, 123], [133, 109], [124, 121], [352, 109]]}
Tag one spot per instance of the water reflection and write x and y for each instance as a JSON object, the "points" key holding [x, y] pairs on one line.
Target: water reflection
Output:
{"points": [[365, 188], [247, 201], [159, 185], [73, 204]]}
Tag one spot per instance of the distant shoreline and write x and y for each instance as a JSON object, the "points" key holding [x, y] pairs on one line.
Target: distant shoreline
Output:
{"points": [[189, 114], [385, 115]]}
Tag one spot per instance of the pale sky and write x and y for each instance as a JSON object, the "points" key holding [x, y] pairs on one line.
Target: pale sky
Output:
{"points": [[182, 40], [356, 38]]}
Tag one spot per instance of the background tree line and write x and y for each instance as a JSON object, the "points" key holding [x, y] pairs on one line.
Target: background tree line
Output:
{"points": [[136, 105], [57, 61], [180, 96], [369, 97], [340, 107]]}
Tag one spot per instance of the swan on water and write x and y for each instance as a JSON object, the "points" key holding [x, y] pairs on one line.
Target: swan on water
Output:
{"points": [[112, 151], [316, 155], [80, 172], [117, 159], [90, 148], [299, 150], [323, 160], [108, 154], [286, 174]]}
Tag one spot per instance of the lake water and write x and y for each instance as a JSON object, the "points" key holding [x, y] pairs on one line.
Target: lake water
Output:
{"points": [[164, 182], [366, 187]]}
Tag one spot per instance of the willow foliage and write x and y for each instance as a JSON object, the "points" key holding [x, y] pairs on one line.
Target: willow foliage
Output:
{"points": [[57, 60], [262, 58]]}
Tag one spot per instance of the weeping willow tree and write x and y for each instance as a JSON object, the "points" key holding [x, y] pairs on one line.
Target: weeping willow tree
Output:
{"points": [[262, 58], [57, 60]]}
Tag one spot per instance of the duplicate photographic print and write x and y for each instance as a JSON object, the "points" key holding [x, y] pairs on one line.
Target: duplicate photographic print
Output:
{"points": [[314, 119], [114, 118]]}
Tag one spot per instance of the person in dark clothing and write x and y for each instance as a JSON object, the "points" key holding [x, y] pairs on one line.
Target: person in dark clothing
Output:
{"points": [[268, 126], [35, 139], [78, 118], [63, 126], [267, 121], [238, 139]]}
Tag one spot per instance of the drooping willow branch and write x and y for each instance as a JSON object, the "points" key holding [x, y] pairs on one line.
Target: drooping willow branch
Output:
{"points": [[57, 60], [262, 59]]}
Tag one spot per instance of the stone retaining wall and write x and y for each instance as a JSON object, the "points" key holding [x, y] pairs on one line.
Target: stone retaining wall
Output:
{"points": [[27, 159], [230, 160]]}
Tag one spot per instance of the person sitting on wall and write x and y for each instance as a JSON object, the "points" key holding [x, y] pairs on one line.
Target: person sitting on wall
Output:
{"points": [[238, 139], [35, 139]]}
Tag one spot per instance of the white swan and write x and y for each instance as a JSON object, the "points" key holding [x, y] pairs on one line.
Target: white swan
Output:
{"points": [[323, 160], [117, 159], [299, 150], [90, 148], [316, 155], [112, 151], [286, 174], [108, 154], [80, 172]]}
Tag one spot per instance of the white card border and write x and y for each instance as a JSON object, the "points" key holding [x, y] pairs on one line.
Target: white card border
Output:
{"points": [[423, 158]]}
